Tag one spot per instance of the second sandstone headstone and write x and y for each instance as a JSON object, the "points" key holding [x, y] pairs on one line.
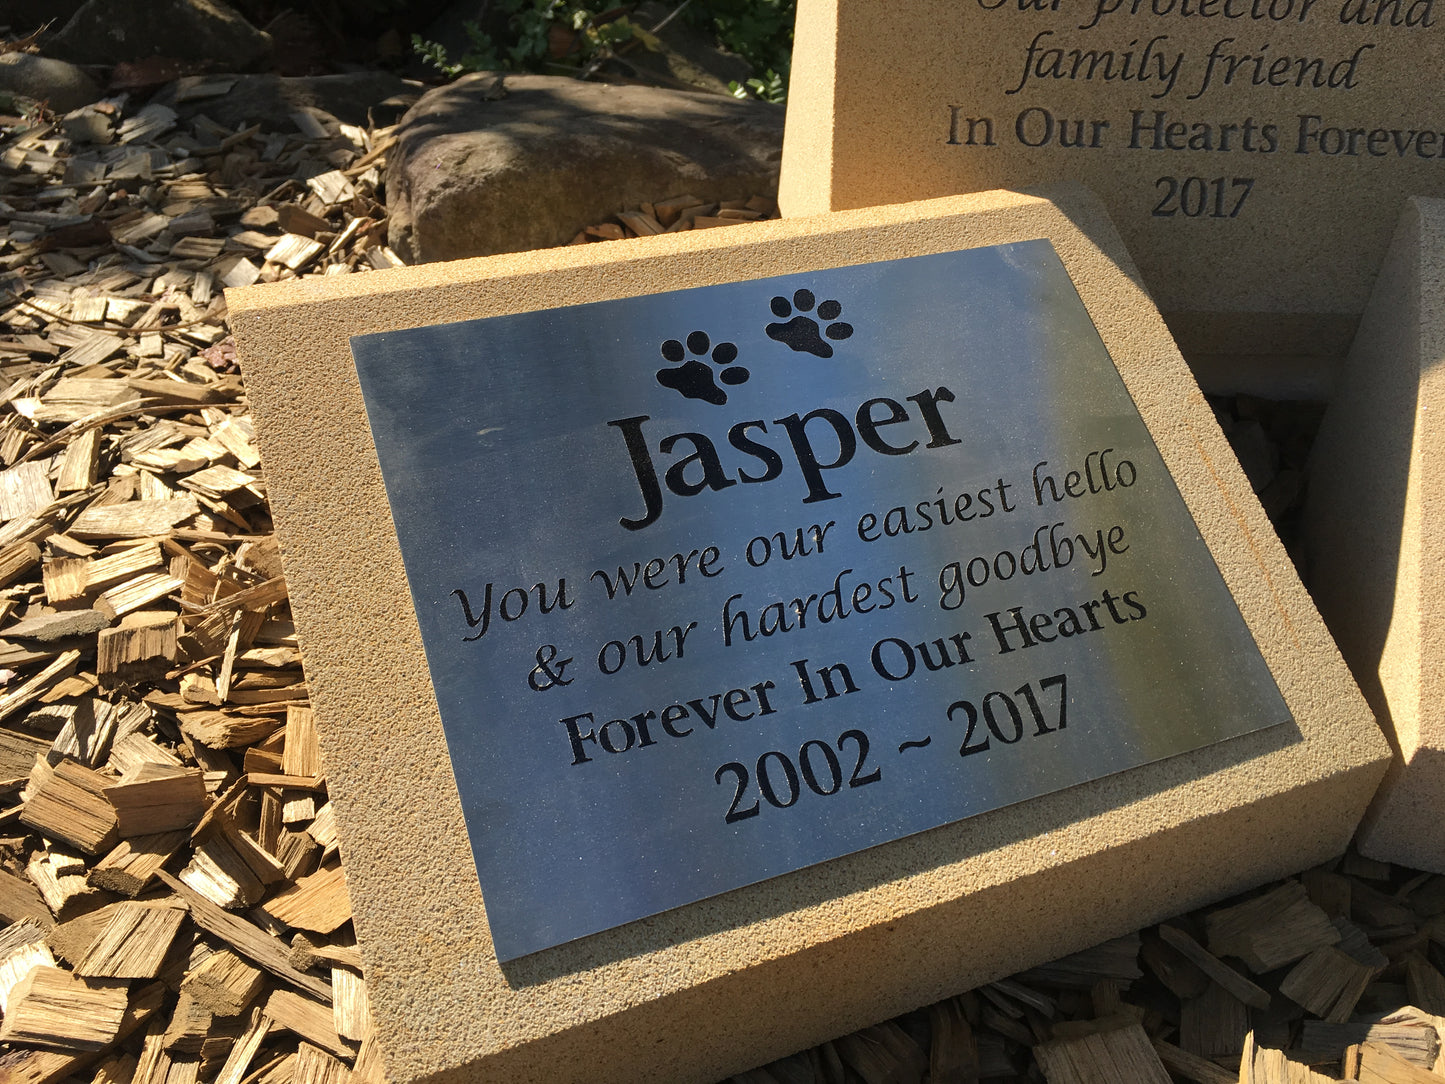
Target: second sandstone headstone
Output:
{"points": [[1254, 154], [721, 641], [1376, 534]]}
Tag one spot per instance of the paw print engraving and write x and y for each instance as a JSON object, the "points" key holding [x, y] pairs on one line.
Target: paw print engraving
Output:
{"points": [[801, 332], [695, 378]]}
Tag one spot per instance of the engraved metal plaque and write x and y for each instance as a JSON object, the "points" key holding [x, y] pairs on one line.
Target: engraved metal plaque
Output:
{"points": [[721, 583]]}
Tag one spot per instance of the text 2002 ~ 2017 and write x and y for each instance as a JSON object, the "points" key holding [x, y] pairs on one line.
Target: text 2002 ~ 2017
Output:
{"points": [[782, 779]]}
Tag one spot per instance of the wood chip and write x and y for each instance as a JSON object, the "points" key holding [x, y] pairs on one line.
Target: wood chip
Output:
{"points": [[1105, 1058], [130, 866], [351, 1009], [311, 1020], [1231, 980], [135, 749], [294, 251], [186, 1032], [142, 649], [222, 730], [48, 1066], [706, 222], [157, 798], [89, 727], [302, 755], [80, 463], [22, 949], [1271, 930], [332, 187], [370, 1068], [134, 942], [314, 1066], [247, 939], [197, 248], [1192, 1066], [16, 560], [125, 564], [1424, 984], [183, 391], [238, 1061], [67, 802], [239, 272], [218, 482], [323, 827], [54, 1008], [51, 625], [32, 687], [20, 901], [60, 878], [1214, 1024], [381, 257], [293, 218], [72, 939], [884, 1052], [237, 435], [97, 347], [1321, 1042], [308, 952], [1328, 983], [643, 225], [668, 210], [128, 424], [134, 519], [219, 872], [224, 983], [318, 902], [24, 489], [1377, 1064], [1263, 1065]]}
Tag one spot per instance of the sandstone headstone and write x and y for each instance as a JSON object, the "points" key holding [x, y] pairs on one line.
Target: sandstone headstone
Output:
{"points": [[514, 411], [109, 31], [1376, 536], [484, 165], [1253, 153]]}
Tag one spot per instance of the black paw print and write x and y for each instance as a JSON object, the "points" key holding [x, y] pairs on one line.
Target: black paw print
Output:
{"points": [[695, 379], [801, 332]]}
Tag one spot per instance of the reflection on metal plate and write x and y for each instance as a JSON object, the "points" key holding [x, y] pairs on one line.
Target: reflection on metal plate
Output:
{"points": [[721, 583]]}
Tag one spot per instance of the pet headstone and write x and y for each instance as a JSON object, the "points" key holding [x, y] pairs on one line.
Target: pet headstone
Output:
{"points": [[1376, 537], [1254, 154], [723, 641]]}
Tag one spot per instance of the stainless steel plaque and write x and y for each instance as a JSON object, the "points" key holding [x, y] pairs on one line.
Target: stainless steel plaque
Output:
{"points": [[721, 583]]}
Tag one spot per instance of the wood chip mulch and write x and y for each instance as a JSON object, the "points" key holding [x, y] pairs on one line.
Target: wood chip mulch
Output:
{"points": [[170, 878]]}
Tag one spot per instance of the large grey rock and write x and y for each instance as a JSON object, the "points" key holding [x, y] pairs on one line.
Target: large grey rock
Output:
{"points": [[269, 100], [111, 31], [481, 168], [61, 86]]}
